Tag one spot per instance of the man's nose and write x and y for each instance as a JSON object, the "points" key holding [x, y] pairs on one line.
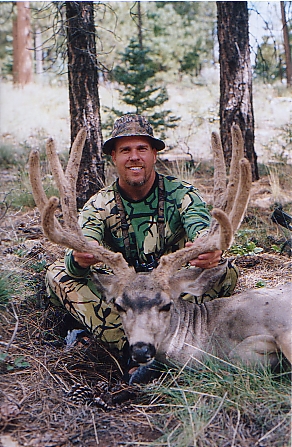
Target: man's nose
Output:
{"points": [[134, 154]]}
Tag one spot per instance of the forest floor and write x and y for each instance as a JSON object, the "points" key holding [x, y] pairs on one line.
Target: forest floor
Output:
{"points": [[55, 395]]}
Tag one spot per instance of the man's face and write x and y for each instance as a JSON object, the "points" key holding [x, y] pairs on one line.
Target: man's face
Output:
{"points": [[134, 159]]}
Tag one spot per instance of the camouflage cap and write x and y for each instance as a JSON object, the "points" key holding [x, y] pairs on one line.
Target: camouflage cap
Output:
{"points": [[130, 126]]}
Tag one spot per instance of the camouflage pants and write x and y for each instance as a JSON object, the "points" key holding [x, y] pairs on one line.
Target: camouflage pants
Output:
{"points": [[82, 299]]}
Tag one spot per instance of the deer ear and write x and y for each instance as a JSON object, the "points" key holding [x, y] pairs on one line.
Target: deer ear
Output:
{"points": [[107, 284], [195, 280]]}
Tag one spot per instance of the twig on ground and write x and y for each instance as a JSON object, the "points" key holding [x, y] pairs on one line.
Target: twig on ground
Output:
{"points": [[236, 429], [216, 412], [274, 428], [94, 427], [15, 328]]}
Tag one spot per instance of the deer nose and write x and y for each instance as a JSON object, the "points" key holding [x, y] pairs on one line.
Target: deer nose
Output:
{"points": [[142, 352]]}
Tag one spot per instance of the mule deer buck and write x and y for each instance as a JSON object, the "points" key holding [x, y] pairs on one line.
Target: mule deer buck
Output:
{"points": [[253, 327]]}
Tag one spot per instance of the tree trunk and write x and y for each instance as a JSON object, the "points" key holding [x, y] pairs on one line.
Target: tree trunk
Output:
{"points": [[38, 51], [22, 45], [236, 105], [84, 96], [286, 46], [140, 34]]}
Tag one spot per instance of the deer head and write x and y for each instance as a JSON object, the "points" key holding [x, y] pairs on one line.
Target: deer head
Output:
{"points": [[144, 300]]}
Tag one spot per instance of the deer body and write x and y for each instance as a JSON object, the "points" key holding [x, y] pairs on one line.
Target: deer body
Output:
{"points": [[232, 329], [253, 327]]}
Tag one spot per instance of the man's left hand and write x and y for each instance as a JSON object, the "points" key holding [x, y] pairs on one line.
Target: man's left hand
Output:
{"points": [[206, 260]]}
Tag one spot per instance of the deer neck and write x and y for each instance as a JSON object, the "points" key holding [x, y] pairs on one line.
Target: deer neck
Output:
{"points": [[181, 334]]}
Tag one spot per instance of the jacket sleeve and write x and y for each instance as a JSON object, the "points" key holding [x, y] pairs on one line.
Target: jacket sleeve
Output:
{"points": [[92, 225], [195, 215], [73, 268]]}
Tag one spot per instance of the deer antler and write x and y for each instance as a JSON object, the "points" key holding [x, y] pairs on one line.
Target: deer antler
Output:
{"points": [[71, 235], [230, 203]]}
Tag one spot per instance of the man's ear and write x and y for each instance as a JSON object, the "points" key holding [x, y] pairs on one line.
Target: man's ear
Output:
{"points": [[195, 280], [113, 155]]}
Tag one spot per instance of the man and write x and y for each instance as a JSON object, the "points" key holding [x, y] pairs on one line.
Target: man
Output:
{"points": [[142, 215]]}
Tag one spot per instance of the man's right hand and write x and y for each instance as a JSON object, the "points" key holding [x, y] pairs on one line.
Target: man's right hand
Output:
{"points": [[85, 259]]}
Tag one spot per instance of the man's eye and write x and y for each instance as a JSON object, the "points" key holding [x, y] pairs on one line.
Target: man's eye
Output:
{"points": [[165, 308]]}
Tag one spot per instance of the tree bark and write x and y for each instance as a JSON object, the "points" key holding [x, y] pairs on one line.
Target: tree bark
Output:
{"points": [[140, 34], [286, 46], [84, 96], [38, 51], [22, 45], [236, 102]]}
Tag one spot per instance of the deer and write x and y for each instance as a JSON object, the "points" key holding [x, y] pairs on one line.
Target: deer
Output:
{"points": [[252, 327]]}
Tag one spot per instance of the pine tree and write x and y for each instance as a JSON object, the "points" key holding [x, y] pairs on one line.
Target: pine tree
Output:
{"points": [[139, 89]]}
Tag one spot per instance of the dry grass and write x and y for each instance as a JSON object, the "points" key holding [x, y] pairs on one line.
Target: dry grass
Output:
{"points": [[220, 406], [34, 110], [43, 110]]}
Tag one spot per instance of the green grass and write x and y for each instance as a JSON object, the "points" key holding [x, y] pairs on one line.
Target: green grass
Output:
{"points": [[6, 287], [218, 406], [14, 283], [19, 195], [15, 190], [11, 155]]}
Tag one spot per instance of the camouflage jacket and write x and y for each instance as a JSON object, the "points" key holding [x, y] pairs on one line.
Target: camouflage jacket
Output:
{"points": [[185, 217]]}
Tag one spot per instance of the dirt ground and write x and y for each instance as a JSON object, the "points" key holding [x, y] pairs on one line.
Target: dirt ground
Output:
{"points": [[55, 395]]}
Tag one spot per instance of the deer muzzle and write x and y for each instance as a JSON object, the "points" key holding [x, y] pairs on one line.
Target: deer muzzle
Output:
{"points": [[142, 353]]}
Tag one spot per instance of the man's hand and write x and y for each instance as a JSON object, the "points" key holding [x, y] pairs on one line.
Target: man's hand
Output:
{"points": [[85, 259], [206, 260]]}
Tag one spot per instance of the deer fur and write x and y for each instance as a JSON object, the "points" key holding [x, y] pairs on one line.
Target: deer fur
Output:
{"points": [[253, 326]]}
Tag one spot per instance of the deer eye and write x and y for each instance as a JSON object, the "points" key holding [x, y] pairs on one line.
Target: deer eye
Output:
{"points": [[119, 308], [165, 308]]}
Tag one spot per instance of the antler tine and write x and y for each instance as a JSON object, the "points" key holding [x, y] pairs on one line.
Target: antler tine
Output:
{"points": [[243, 192], [35, 178], [234, 175], [72, 169], [57, 234], [64, 183], [55, 165], [239, 184], [220, 179]]}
